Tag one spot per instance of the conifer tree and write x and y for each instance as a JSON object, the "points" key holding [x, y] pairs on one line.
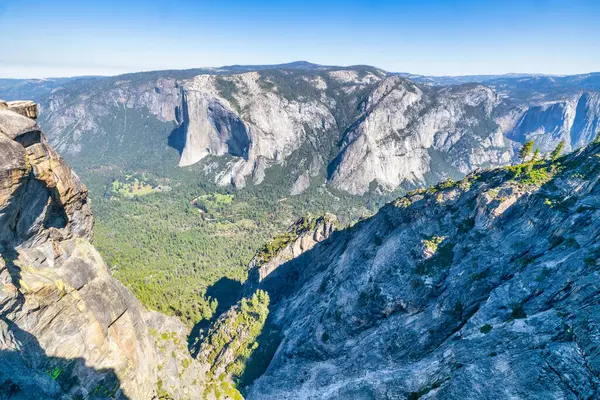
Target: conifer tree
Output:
{"points": [[557, 152], [525, 151]]}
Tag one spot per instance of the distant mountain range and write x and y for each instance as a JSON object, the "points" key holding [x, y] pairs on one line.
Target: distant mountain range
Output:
{"points": [[355, 129]]}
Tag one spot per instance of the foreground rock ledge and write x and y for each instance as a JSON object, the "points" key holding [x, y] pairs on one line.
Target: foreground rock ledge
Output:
{"points": [[26, 108], [68, 329]]}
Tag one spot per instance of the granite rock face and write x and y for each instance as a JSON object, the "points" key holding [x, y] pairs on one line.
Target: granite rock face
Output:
{"points": [[574, 120], [397, 127], [404, 129], [68, 329], [402, 134], [258, 126], [354, 129], [487, 288]]}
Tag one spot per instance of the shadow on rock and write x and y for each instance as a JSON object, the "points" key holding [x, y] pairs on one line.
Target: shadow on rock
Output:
{"points": [[26, 372], [32, 207], [227, 292], [268, 342]]}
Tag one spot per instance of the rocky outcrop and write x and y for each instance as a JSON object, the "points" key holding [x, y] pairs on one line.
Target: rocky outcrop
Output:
{"points": [[26, 108], [41, 197], [68, 329], [483, 288], [302, 236], [232, 339], [238, 115]]}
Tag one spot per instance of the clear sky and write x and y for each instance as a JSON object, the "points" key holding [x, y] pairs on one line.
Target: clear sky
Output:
{"points": [[42, 38]]}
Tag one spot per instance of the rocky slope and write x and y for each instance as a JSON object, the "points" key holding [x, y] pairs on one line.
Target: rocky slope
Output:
{"points": [[231, 345], [301, 237], [355, 129], [485, 288], [67, 328]]}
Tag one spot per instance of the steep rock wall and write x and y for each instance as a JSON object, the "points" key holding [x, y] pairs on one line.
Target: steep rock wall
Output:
{"points": [[68, 329]]}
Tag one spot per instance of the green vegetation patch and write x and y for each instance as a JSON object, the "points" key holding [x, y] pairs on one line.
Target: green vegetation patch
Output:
{"points": [[238, 331], [170, 247], [270, 249], [441, 259], [432, 243], [131, 187], [517, 311], [534, 173]]}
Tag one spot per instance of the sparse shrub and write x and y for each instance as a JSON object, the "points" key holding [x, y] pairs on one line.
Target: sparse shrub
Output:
{"points": [[466, 225], [447, 184], [337, 315], [433, 242], [544, 274], [517, 311], [54, 373], [590, 261], [480, 275], [572, 242], [535, 176], [556, 241], [323, 286], [441, 259], [485, 329], [458, 307], [531, 173], [368, 296], [402, 202], [416, 283]]}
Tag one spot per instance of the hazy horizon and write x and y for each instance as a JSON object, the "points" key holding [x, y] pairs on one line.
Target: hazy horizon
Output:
{"points": [[65, 38], [287, 63]]}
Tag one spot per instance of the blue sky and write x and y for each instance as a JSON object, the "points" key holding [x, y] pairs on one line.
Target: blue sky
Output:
{"points": [[431, 37]]}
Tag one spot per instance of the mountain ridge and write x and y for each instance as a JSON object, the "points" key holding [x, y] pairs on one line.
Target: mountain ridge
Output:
{"points": [[167, 112]]}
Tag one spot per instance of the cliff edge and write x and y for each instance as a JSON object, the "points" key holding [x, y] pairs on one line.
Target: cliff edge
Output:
{"points": [[68, 329]]}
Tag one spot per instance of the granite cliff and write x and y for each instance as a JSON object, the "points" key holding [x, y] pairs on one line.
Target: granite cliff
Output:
{"points": [[353, 129], [68, 329]]}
